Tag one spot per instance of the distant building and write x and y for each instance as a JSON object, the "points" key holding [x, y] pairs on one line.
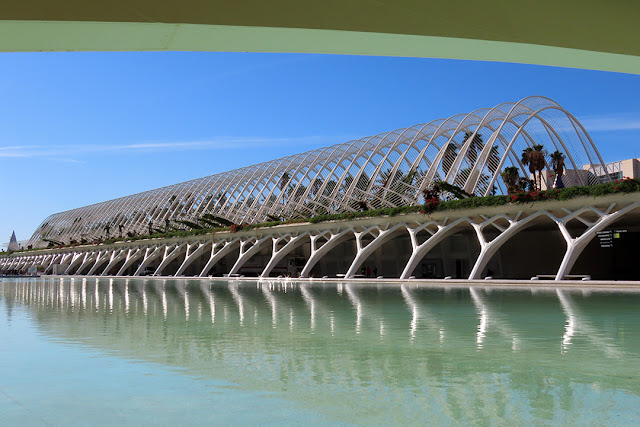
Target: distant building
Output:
{"points": [[629, 168], [13, 243]]}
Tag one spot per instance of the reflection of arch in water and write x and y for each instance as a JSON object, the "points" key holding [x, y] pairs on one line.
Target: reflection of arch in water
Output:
{"points": [[491, 318], [210, 300], [576, 324], [411, 367], [237, 298], [271, 299], [360, 307], [418, 313]]}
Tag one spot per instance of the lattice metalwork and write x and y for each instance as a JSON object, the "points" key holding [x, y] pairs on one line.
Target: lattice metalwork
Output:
{"points": [[386, 170]]}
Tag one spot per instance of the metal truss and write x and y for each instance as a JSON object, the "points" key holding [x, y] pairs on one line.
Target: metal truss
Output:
{"points": [[386, 170]]}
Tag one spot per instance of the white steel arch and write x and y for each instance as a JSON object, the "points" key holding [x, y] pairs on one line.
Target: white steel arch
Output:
{"points": [[384, 170]]}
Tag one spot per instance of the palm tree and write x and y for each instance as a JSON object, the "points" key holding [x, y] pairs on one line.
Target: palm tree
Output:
{"points": [[315, 186], [510, 176], [450, 154], [494, 159], [394, 186], [461, 177], [477, 143], [283, 183], [362, 186], [404, 185], [557, 164], [534, 158], [492, 164]]}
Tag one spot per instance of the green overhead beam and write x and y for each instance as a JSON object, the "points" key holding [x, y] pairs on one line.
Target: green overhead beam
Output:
{"points": [[591, 34]]}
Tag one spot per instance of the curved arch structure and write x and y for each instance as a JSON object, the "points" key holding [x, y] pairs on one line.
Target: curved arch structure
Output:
{"points": [[577, 222], [385, 170], [572, 33]]}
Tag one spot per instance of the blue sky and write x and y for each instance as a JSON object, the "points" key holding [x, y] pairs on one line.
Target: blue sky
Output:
{"points": [[81, 128]]}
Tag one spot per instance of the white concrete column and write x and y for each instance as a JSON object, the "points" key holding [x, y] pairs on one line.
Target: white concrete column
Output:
{"points": [[54, 258], [170, 255], [150, 255], [115, 258], [278, 254], [88, 259], [218, 251], [194, 250], [100, 259], [575, 246], [488, 249], [420, 251], [364, 252], [77, 257], [132, 256], [317, 252], [246, 251]]}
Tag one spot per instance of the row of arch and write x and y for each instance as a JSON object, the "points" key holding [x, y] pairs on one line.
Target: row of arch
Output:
{"points": [[386, 170], [203, 257]]}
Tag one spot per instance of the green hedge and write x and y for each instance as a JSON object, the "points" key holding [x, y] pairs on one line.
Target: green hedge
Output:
{"points": [[626, 185]]}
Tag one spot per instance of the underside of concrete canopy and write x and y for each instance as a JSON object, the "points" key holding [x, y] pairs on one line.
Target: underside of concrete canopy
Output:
{"points": [[589, 34]]}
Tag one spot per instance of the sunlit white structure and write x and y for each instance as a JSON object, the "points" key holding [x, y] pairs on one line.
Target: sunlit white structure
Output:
{"points": [[546, 239], [386, 170]]}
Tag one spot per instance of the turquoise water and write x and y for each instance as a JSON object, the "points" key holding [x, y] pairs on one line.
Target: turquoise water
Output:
{"points": [[176, 352]]}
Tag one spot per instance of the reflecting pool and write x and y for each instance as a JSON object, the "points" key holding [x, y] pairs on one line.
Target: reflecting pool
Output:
{"points": [[168, 352]]}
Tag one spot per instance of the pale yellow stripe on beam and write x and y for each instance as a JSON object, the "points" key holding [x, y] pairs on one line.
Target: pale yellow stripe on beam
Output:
{"points": [[36, 36]]}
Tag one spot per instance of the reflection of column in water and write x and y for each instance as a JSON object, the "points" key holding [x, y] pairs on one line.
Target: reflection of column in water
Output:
{"points": [[266, 290], [58, 295], [485, 318], [110, 295], [291, 319], [68, 295], [308, 298], [413, 307], [142, 290], [72, 294], [163, 298], [482, 311], [182, 290], [570, 324], [126, 297], [237, 298], [208, 297], [355, 301], [84, 294], [577, 324], [420, 314], [96, 297]]}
